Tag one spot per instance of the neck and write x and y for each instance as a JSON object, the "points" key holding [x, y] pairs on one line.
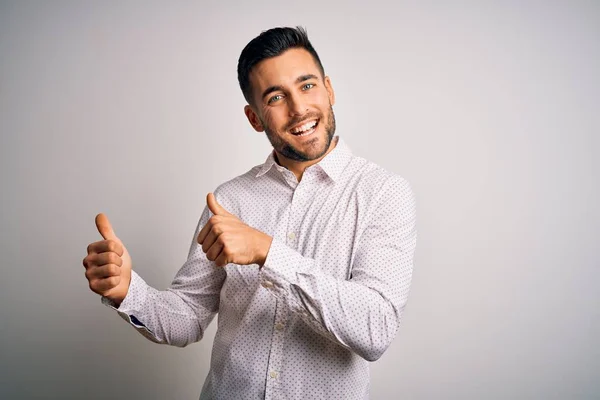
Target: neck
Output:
{"points": [[298, 167]]}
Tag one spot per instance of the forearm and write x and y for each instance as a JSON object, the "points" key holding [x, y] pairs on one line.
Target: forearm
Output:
{"points": [[362, 314], [160, 316]]}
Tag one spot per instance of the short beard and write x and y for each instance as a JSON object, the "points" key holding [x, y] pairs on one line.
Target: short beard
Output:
{"points": [[292, 153]]}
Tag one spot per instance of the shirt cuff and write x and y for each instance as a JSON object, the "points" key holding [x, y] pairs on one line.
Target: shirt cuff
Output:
{"points": [[280, 267], [133, 302]]}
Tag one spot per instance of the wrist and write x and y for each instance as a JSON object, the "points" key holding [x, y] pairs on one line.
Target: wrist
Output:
{"points": [[265, 245]]}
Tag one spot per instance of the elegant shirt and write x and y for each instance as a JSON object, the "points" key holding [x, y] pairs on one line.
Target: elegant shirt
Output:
{"points": [[328, 299]]}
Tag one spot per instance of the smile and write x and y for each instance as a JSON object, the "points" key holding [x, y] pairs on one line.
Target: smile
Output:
{"points": [[305, 129]]}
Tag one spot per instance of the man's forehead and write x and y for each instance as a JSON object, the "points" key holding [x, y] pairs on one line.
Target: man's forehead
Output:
{"points": [[285, 68]]}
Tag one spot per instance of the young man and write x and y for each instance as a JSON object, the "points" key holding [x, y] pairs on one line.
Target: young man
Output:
{"points": [[307, 258]]}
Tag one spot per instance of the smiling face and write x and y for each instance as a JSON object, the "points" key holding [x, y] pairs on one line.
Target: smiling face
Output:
{"points": [[292, 104]]}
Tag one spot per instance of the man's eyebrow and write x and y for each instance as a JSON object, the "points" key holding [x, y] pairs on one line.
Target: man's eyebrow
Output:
{"points": [[271, 89], [300, 79], [305, 78]]}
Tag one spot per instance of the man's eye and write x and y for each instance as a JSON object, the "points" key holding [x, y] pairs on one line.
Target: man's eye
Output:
{"points": [[274, 98], [308, 86]]}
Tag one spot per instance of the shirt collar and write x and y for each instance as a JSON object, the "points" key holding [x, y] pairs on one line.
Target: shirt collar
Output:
{"points": [[332, 164]]}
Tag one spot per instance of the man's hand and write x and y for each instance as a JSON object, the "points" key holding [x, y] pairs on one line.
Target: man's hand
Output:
{"points": [[225, 239], [108, 264]]}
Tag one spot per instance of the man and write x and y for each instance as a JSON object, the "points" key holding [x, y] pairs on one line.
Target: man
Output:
{"points": [[307, 258]]}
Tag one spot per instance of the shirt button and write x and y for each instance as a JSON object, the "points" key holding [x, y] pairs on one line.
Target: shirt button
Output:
{"points": [[267, 284], [292, 235], [273, 374], [279, 327]]}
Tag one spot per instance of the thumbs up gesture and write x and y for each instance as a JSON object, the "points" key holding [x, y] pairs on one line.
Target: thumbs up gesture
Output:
{"points": [[225, 239], [108, 264]]}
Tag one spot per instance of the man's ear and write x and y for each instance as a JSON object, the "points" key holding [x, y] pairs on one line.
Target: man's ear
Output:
{"points": [[330, 91], [253, 119]]}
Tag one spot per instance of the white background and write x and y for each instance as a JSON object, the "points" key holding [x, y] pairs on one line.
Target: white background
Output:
{"points": [[490, 110]]}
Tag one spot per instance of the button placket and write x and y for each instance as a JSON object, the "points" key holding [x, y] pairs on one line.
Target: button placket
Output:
{"points": [[298, 208], [295, 209], [276, 354], [273, 372]]}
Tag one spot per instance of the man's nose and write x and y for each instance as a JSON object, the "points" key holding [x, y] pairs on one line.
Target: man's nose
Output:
{"points": [[296, 105]]}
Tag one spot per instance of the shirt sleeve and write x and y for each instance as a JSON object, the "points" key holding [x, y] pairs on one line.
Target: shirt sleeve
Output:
{"points": [[178, 315], [361, 313]]}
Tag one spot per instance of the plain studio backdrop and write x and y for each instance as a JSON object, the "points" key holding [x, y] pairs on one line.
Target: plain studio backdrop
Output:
{"points": [[490, 111]]}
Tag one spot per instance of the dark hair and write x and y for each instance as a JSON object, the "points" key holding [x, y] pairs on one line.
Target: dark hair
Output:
{"points": [[268, 44]]}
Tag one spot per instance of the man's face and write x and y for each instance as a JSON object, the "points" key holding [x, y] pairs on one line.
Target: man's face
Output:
{"points": [[293, 105]]}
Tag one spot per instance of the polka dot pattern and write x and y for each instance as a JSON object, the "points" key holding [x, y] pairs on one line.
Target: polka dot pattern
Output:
{"points": [[328, 299]]}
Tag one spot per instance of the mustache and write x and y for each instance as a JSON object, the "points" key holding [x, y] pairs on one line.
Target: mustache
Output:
{"points": [[299, 120]]}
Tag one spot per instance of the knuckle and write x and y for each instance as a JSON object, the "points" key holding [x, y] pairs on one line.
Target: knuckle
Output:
{"points": [[113, 270], [113, 258], [114, 281], [111, 246], [89, 248], [90, 261]]}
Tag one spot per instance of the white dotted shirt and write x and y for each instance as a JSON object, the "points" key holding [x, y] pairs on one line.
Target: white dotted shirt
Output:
{"points": [[328, 299]]}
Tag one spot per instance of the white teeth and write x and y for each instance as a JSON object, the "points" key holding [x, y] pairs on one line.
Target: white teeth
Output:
{"points": [[304, 127]]}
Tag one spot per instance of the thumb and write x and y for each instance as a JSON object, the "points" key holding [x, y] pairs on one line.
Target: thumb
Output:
{"points": [[105, 228], [215, 207]]}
